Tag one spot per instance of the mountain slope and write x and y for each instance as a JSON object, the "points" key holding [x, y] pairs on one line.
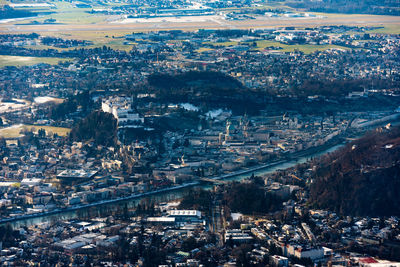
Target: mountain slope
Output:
{"points": [[361, 179]]}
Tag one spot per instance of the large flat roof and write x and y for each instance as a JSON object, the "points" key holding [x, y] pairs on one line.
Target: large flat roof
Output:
{"points": [[81, 173]]}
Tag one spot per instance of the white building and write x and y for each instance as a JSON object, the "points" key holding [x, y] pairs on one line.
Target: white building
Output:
{"points": [[184, 213], [121, 108], [313, 253], [31, 181], [237, 236], [277, 260]]}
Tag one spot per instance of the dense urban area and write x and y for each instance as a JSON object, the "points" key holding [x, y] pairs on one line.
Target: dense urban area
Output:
{"points": [[160, 154]]}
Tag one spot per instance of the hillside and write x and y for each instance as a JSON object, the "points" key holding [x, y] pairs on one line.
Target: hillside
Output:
{"points": [[361, 179], [98, 126], [206, 89]]}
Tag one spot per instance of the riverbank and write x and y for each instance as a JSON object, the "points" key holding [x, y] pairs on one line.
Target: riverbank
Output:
{"points": [[104, 202], [303, 153], [280, 162]]}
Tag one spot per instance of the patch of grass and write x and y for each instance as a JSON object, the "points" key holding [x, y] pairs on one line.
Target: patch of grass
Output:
{"points": [[308, 49], [261, 45], [203, 49], [76, 16], [28, 61], [45, 47], [15, 131], [99, 38], [388, 29], [11, 132], [113, 45], [66, 13], [61, 131], [305, 48], [224, 44]]}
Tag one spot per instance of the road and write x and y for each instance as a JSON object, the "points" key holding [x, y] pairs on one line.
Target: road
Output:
{"points": [[169, 189]]}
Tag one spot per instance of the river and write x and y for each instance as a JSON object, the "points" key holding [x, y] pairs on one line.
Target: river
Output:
{"points": [[103, 210]]}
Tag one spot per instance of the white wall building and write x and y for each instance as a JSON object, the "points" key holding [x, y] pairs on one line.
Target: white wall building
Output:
{"points": [[279, 261], [121, 108]]}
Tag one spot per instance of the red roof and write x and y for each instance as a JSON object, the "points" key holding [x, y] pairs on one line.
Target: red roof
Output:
{"points": [[367, 260]]}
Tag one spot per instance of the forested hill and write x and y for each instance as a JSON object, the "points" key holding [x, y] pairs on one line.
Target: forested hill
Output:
{"points": [[361, 179], [99, 127], [377, 7], [204, 79], [207, 89]]}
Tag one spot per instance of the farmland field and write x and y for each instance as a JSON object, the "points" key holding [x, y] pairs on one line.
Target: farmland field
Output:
{"points": [[261, 45], [27, 61], [15, 130]]}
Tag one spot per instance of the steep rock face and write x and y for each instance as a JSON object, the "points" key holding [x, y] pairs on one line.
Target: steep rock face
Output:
{"points": [[361, 179]]}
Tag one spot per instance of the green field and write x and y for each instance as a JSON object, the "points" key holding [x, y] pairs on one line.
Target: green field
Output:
{"points": [[389, 29], [28, 61], [203, 49], [306, 48], [68, 14], [261, 45], [15, 131], [64, 13], [224, 44], [99, 39]]}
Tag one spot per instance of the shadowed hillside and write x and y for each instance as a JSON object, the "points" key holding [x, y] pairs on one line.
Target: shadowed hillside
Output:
{"points": [[363, 178], [207, 89]]}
